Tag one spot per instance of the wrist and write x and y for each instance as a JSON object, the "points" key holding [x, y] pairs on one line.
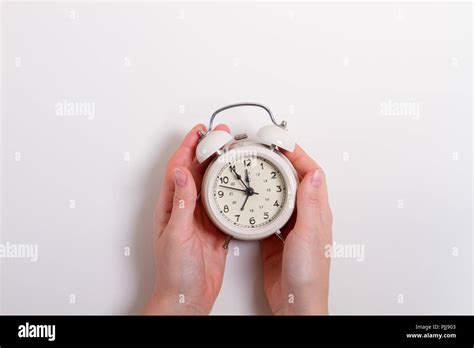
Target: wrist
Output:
{"points": [[304, 303], [171, 305]]}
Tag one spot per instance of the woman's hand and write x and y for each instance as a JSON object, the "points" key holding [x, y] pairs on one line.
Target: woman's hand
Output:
{"points": [[190, 259], [296, 273], [189, 255]]}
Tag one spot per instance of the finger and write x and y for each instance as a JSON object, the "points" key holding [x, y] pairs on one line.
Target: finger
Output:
{"points": [[184, 202], [183, 157], [290, 224], [197, 169], [186, 152], [272, 252], [272, 247], [302, 162], [222, 127], [313, 205]]}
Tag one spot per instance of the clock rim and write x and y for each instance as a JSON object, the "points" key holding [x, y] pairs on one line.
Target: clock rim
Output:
{"points": [[288, 173]]}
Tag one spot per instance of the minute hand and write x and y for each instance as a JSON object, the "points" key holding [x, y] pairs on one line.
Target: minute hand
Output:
{"points": [[233, 188]]}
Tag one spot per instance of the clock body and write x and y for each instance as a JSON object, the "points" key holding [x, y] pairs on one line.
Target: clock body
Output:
{"points": [[249, 190]]}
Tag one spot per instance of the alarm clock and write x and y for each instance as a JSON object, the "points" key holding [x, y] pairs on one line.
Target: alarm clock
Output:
{"points": [[249, 187]]}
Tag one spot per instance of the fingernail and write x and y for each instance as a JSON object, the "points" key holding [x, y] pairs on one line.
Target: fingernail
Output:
{"points": [[317, 178], [180, 178]]}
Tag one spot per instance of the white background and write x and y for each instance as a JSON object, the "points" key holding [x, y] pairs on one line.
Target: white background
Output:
{"points": [[154, 70]]}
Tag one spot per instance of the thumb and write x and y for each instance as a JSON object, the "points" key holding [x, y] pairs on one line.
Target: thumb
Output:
{"points": [[313, 211], [184, 200]]}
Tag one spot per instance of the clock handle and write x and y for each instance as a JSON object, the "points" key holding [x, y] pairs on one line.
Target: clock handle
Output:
{"points": [[213, 141], [281, 125]]}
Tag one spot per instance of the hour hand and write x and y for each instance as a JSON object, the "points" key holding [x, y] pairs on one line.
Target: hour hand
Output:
{"points": [[232, 169]]}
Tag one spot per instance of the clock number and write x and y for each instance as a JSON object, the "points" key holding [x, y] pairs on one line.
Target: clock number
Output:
{"points": [[247, 162], [226, 208], [224, 180], [276, 204], [261, 165], [274, 175], [266, 215], [220, 194], [252, 220], [279, 188], [237, 216]]}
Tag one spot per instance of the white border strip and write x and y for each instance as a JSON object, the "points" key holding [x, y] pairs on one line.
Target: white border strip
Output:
{"points": [[1, 151], [472, 164]]}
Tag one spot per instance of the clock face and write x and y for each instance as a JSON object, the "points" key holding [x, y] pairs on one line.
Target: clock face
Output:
{"points": [[249, 192]]}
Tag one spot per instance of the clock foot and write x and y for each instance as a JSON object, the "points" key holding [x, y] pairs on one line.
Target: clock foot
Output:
{"points": [[227, 241], [280, 236]]}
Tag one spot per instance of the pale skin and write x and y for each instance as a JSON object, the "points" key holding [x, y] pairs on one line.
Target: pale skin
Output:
{"points": [[189, 254]]}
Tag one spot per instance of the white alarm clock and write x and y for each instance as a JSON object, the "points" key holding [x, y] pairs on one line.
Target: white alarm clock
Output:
{"points": [[249, 188]]}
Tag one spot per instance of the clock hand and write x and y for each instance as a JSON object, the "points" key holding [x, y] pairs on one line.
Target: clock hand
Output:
{"points": [[232, 169], [247, 178], [233, 188], [243, 205]]}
